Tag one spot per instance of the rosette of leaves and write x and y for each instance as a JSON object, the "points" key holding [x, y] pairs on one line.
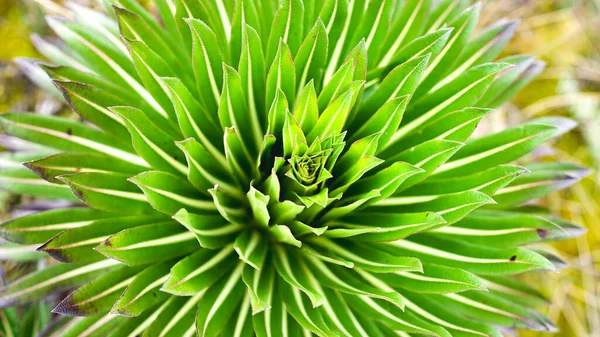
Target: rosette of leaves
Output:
{"points": [[291, 168]]}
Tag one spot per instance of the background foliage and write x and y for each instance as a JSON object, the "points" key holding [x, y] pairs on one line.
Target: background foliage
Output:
{"points": [[564, 33]]}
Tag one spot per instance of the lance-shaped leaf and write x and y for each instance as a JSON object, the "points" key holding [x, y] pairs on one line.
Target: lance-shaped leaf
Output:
{"points": [[374, 260], [392, 317], [514, 290], [497, 310], [429, 44], [338, 315], [509, 229], [333, 119], [219, 303], [42, 226], [104, 58], [470, 257], [252, 72], [151, 67], [276, 318], [231, 209], [463, 26], [371, 226], [500, 148], [240, 320], [134, 24], [348, 281], [19, 253], [281, 76], [402, 80], [277, 114], [19, 180], [311, 58], [453, 322], [168, 193], [541, 181], [200, 270], [482, 48], [287, 26], [149, 243], [76, 244], [252, 248], [407, 24], [457, 126], [50, 167], [434, 279], [132, 325], [91, 103], [428, 156], [458, 94], [87, 326], [176, 318], [258, 204], [384, 182], [42, 283], [261, 285], [234, 113], [207, 64], [144, 291], [512, 80], [99, 295], [384, 121], [155, 146], [451, 207], [488, 181], [298, 306], [340, 80], [373, 27], [204, 172], [307, 110], [298, 278], [284, 234], [63, 134], [212, 231], [108, 192], [244, 13], [194, 120]]}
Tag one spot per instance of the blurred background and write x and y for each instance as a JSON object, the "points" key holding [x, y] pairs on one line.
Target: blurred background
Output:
{"points": [[563, 33]]}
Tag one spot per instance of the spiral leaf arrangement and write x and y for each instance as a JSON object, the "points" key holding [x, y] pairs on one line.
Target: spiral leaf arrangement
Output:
{"points": [[283, 168]]}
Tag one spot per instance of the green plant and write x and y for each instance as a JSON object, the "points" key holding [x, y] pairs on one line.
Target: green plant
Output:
{"points": [[290, 169]]}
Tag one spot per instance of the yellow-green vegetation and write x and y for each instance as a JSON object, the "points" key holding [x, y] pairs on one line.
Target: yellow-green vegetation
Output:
{"points": [[565, 34]]}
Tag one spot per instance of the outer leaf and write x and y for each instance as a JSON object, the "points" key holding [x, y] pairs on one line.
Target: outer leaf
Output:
{"points": [[76, 244], [42, 226], [197, 272], [149, 243], [143, 291], [40, 284], [168, 193], [63, 134], [99, 295], [108, 192]]}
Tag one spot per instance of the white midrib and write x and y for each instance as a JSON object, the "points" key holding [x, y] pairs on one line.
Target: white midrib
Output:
{"points": [[130, 157], [227, 289], [181, 237], [386, 59], [222, 255], [66, 225], [471, 159], [62, 277]]}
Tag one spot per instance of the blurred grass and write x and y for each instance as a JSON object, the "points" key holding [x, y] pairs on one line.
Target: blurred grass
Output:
{"points": [[564, 33]]}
